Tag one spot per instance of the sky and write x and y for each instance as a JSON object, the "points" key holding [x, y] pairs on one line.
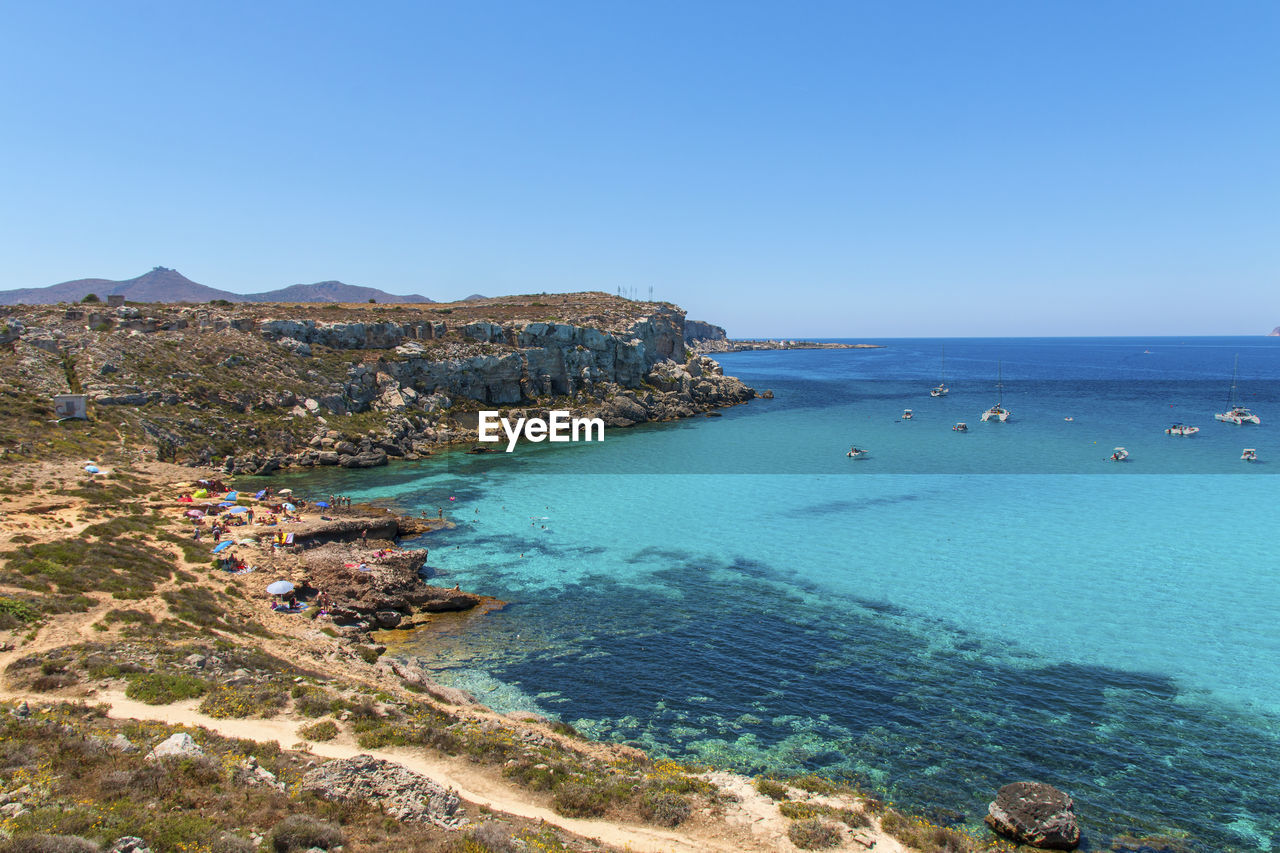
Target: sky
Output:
{"points": [[846, 169]]}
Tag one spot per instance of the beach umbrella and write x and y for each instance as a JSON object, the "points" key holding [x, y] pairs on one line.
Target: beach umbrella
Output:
{"points": [[194, 513], [92, 469], [225, 504], [249, 541], [291, 507], [200, 493], [280, 588], [261, 494], [222, 546], [231, 496], [236, 510], [285, 492], [324, 504]]}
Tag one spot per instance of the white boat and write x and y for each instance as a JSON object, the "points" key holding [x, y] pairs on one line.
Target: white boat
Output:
{"points": [[1181, 429], [1119, 455], [1249, 455], [997, 412], [941, 389], [1236, 413], [906, 414], [856, 453], [960, 426]]}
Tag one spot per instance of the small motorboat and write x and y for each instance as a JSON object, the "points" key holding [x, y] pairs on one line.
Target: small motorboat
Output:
{"points": [[1249, 455], [906, 414], [856, 453], [1069, 419], [960, 426], [1119, 455], [1181, 429], [939, 391]]}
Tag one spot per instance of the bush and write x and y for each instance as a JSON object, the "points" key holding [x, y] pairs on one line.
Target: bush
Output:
{"points": [[160, 688], [229, 843], [302, 832], [494, 836], [578, 800], [814, 784], [90, 298], [14, 613], [664, 808], [50, 844], [324, 730], [253, 700], [771, 788], [813, 834]]}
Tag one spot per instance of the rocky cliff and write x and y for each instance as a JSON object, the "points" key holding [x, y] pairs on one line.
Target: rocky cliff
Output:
{"points": [[354, 385]]}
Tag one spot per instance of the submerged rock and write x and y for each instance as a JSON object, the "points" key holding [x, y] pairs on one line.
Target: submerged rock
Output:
{"points": [[1035, 813]]}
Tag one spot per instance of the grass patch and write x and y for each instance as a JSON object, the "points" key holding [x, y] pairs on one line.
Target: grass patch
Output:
{"points": [[813, 834], [252, 700], [160, 688], [321, 731], [771, 788]]}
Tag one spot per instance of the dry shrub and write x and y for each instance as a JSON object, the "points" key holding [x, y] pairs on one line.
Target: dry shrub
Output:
{"points": [[665, 808], [302, 832], [813, 834], [578, 800], [49, 844]]}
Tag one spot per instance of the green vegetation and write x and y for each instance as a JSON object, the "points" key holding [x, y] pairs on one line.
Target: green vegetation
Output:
{"points": [[91, 298], [302, 832], [253, 700], [159, 688], [323, 730], [771, 788]]}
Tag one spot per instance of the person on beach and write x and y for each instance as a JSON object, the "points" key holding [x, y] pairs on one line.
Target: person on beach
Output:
{"points": [[440, 513]]}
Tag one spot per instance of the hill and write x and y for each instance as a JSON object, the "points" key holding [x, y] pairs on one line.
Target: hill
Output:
{"points": [[162, 284]]}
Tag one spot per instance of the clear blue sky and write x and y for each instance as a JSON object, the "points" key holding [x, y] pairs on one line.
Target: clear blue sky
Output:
{"points": [[848, 168]]}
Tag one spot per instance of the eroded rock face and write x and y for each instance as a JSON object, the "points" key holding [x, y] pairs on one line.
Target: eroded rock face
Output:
{"points": [[1035, 813], [398, 791]]}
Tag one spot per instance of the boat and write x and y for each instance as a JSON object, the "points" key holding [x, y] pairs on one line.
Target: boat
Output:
{"points": [[997, 412], [1249, 455], [941, 389], [960, 426], [1146, 352], [856, 452], [1236, 413], [906, 414], [1119, 455], [1181, 429], [1069, 419]]}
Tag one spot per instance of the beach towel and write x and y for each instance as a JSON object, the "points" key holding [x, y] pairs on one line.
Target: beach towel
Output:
{"points": [[288, 540], [244, 571]]}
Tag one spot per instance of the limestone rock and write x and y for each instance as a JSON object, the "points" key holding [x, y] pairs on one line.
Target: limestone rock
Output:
{"points": [[1035, 813], [179, 745], [130, 844], [400, 792]]}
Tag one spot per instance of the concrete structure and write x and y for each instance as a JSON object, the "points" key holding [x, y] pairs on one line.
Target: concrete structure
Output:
{"points": [[115, 300], [71, 406]]}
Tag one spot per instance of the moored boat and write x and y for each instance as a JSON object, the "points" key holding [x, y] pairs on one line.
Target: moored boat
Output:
{"points": [[997, 412], [1119, 455], [1236, 412], [1249, 455], [856, 452], [960, 426], [1181, 429], [941, 389], [907, 415]]}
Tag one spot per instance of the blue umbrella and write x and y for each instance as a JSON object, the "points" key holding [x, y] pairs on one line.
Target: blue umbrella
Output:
{"points": [[223, 545], [261, 494], [236, 510], [291, 507], [280, 588], [226, 503], [231, 496], [92, 469], [324, 504]]}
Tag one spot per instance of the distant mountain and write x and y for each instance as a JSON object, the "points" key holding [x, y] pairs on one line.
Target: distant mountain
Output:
{"points": [[165, 285], [329, 291], [1275, 333], [475, 297]]}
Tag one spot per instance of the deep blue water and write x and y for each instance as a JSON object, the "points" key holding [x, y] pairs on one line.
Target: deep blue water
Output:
{"points": [[952, 613]]}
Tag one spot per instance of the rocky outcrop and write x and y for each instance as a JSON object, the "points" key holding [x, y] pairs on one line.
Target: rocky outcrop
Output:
{"points": [[180, 745], [1035, 813], [1274, 332], [397, 790], [696, 330]]}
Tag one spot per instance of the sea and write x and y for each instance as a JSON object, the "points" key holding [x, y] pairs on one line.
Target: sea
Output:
{"points": [[952, 612]]}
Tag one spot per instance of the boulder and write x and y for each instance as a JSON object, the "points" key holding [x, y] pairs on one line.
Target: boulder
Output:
{"points": [[398, 791], [130, 844], [179, 745], [1035, 813], [387, 618]]}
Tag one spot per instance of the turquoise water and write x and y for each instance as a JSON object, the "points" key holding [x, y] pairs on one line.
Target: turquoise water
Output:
{"points": [[952, 613]]}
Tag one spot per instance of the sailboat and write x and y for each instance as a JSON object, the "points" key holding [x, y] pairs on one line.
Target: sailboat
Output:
{"points": [[997, 412], [1236, 413], [942, 389]]}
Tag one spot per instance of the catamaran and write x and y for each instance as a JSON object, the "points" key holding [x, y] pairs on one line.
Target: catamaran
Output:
{"points": [[1237, 414], [997, 412], [941, 389]]}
